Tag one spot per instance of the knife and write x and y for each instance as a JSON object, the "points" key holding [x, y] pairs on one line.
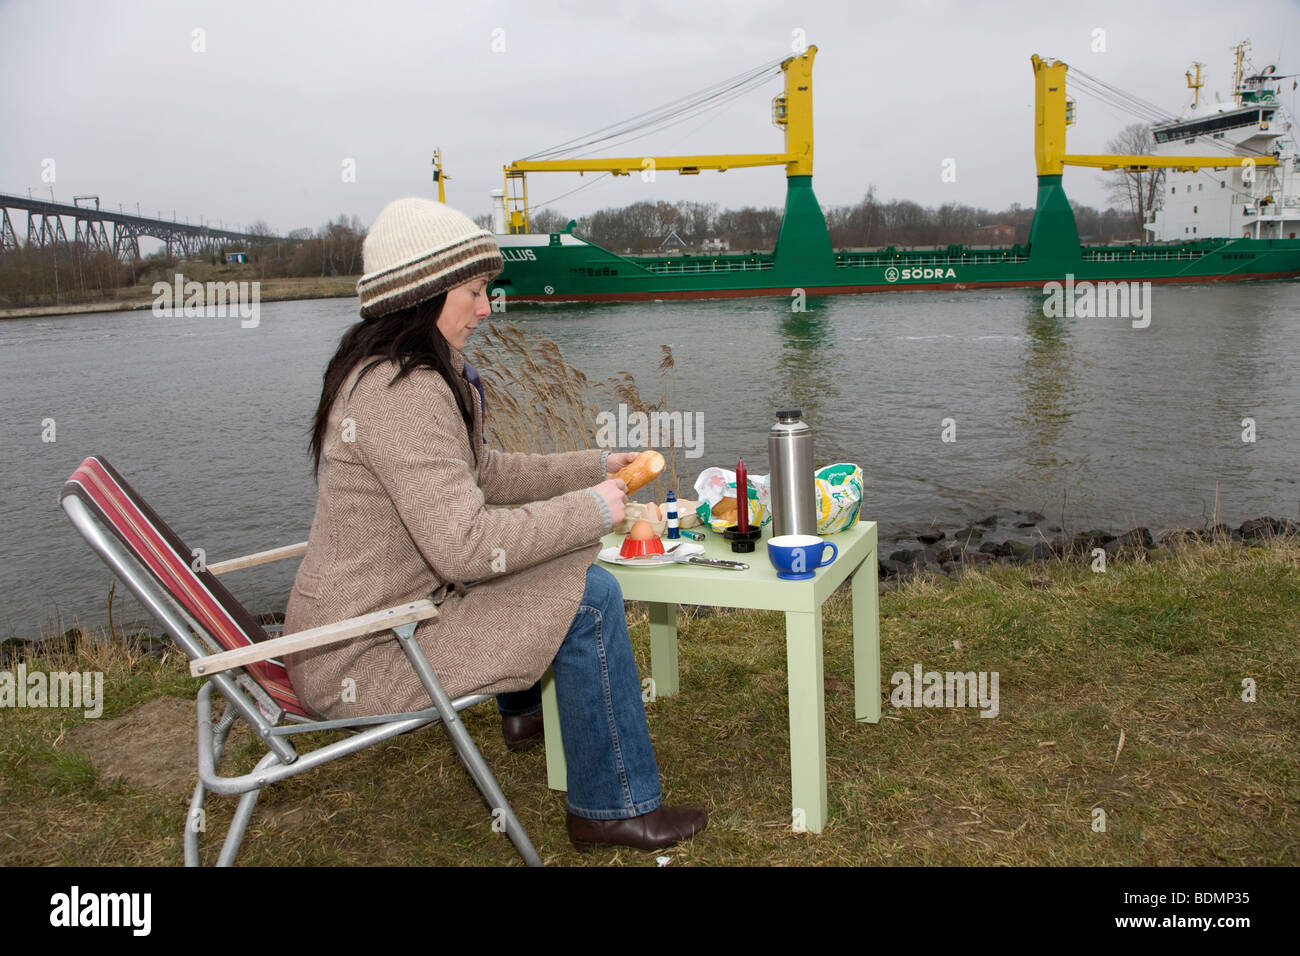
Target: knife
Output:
{"points": [[668, 557], [714, 563]]}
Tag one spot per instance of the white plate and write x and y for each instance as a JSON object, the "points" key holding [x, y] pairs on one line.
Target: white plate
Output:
{"points": [[686, 548]]}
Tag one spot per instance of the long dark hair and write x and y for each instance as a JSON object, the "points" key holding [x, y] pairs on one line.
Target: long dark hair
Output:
{"points": [[411, 338]]}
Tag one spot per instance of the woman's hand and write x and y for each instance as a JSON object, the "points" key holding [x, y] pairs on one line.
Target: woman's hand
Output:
{"points": [[614, 492], [619, 460]]}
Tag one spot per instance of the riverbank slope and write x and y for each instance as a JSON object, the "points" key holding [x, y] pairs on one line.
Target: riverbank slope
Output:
{"points": [[141, 296], [1163, 693]]}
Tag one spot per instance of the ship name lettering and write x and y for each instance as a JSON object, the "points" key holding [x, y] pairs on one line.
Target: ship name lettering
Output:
{"points": [[928, 274]]}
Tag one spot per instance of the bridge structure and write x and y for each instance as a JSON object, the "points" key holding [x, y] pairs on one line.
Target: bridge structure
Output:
{"points": [[91, 228]]}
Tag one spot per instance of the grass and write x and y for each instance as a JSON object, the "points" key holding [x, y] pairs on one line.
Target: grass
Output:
{"points": [[1120, 691]]}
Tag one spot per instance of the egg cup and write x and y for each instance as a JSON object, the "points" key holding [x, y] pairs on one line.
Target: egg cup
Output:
{"points": [[639, 549]]}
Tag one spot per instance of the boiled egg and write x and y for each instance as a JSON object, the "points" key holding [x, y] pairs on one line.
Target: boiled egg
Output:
{"points": [[642, 531]]}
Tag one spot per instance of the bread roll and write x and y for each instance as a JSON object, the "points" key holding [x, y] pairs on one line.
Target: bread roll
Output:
{"points": [[644, 469], [727, 509]]}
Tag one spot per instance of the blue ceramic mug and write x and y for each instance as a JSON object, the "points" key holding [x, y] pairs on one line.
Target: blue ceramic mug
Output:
{"points": [[797, 557]]}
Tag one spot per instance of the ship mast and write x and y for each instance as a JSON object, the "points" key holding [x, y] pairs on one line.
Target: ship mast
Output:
{"points": [[1239, 69], [1195, 87], [439, 176]]}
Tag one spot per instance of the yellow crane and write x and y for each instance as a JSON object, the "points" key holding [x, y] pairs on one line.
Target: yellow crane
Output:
{"points": [[1053, 113], [791, 110]]}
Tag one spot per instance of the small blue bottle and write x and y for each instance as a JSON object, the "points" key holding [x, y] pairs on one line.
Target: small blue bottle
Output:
{"points": [[670, 506]]}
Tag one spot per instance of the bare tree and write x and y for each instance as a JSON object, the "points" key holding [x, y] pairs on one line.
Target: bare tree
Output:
{"points": [[701, 217], [1141, 191], [547, 220]]}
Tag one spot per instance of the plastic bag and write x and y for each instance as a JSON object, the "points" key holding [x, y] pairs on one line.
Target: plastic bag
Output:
{"points": [[839, 497], [714, 484]]}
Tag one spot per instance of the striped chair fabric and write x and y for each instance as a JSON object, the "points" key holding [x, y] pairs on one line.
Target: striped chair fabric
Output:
{"points": [[98, 485]]}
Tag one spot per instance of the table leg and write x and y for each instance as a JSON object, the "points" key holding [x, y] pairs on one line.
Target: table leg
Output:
{"points": [[866, 640], [557, 773], [803, 654], [663, 649]]}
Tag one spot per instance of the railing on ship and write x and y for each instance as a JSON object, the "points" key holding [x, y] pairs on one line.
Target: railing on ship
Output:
{"points": [[862, 260], [691, 267], [1138, 255], [867, 259]]}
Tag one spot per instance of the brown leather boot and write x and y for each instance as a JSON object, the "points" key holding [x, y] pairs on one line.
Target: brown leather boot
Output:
{"points": [[522, 733], [655, 830]]}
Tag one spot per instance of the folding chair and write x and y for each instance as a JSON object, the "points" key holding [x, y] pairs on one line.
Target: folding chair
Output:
{"points": [[240, 661]]}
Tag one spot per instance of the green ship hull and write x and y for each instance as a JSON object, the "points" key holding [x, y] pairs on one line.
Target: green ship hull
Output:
{"points": [[563, 268]]}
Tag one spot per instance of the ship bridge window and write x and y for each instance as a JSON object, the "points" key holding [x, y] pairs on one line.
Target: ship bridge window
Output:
{"points": [[1200, 186], [1189, 131], [1194, 210]]}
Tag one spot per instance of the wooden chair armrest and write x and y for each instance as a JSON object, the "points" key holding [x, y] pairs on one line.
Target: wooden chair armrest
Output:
{"points": [[315, 637], [261, 557]]}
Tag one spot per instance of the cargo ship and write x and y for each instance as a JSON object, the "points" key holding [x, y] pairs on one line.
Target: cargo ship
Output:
{"points": [[1253, 156]]}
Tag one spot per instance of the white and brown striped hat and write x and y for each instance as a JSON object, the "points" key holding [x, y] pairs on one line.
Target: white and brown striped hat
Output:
{"points": [[418, 248]]}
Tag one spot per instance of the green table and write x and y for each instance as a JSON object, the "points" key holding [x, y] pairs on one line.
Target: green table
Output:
{"points": [[663, 588]]}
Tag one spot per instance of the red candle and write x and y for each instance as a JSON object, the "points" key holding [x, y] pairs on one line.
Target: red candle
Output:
{"points": [[742, 498]]}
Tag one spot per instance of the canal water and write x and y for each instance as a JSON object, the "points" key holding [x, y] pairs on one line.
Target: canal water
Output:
{"points": [[1092, 422]]}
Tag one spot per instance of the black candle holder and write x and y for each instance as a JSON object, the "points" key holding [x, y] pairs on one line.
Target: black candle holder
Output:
{"points": [[742, 542]]}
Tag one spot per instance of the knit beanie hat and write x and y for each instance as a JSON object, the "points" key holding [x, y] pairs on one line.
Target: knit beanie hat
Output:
{"points": [[418, 248]]}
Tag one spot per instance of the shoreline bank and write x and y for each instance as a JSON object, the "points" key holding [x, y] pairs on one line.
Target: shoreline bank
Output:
{"points": [[902, 554], [139, 297], [979, 543]]}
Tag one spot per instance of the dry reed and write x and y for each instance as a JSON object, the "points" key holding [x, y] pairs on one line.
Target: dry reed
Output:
{"points": [[540, 404]]}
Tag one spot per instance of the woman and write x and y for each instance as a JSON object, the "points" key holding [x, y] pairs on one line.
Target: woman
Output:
{"points": [[404, 476]]}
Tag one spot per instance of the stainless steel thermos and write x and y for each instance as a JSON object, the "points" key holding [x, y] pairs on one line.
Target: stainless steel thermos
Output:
{"points": [[793, 488]]}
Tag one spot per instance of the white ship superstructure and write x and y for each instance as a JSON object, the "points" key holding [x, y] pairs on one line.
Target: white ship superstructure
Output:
{"points": [[1241, 200]]}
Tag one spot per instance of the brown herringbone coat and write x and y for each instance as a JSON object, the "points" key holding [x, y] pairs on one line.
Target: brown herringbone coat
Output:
{"points": [[400, 515]]}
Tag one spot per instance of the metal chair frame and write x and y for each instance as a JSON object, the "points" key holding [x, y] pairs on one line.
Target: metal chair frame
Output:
{"points": [[246, 699]]}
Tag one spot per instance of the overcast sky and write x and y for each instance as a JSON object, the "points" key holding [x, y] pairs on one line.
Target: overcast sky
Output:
{"points": [[260, 123]]}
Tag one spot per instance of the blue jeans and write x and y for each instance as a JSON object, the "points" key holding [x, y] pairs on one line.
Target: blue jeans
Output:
{"points": [[611, 762]]}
